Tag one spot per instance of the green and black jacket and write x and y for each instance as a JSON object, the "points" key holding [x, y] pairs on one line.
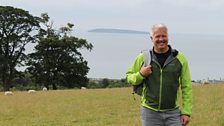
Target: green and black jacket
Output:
{"points": [[164, 86]]}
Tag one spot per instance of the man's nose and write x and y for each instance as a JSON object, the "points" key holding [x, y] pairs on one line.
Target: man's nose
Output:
{"points": [[161, 38]]}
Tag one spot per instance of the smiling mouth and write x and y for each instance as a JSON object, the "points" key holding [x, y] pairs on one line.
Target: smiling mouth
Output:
{"points": [[161, 43]]}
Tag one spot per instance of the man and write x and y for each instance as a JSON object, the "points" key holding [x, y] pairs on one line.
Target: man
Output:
{"points": [[163, 81]]}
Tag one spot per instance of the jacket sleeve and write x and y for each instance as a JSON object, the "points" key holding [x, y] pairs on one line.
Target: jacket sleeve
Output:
{"points": [[133, 75], [186, 88]]}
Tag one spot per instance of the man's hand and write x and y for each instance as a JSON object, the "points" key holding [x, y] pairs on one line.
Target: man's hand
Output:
{"points": [[145, 71], [185, 119]]}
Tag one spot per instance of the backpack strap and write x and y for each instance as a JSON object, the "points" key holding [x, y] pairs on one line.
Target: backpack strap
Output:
{"points": [[147, 57], [137, 89]]}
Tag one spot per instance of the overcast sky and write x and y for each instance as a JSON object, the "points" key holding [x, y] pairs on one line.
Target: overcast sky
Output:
{"points": [[181, 16]]}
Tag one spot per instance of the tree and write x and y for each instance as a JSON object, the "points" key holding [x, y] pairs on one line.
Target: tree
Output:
{"points": [[105, 82], [57, 60], [17, 29]]}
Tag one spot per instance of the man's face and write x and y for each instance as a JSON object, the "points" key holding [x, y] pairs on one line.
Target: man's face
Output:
{"points": [[160, 40]]}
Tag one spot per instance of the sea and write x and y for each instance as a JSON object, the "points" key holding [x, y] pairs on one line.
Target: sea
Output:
{"points": [[114, 53]]}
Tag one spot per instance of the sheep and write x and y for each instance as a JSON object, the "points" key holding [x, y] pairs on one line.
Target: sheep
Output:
{"points": [[44, 89], [83, 88], [31, 91], [8, 93]]}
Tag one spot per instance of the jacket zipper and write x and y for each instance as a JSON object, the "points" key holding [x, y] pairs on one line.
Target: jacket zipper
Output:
{"points": [[160, 87]]}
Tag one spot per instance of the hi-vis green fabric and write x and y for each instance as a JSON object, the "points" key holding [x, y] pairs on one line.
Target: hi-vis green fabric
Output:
{"points": [[163, 87]]}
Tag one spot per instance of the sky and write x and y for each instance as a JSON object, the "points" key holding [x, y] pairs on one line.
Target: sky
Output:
{"points": [[181, 16], [197, 17]]}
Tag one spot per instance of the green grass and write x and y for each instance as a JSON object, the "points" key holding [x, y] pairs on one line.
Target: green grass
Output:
{"points": [[208, 107], [99, 107]]}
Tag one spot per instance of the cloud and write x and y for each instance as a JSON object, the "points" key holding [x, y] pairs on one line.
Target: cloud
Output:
{"points": [[200, 4], [200, 15]]}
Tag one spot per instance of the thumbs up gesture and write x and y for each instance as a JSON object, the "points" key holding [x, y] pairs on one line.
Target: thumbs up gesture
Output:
{"points": [[145, 71]]}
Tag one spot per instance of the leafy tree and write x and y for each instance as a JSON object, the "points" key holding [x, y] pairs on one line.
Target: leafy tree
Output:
{"points": [[57, 60], [23, 82], [105, 82], [17, 29]]}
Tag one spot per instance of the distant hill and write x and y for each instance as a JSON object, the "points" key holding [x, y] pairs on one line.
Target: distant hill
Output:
{"points": [[108, 30]]}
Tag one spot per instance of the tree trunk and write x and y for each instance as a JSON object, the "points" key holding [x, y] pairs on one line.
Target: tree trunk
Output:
{"points": [[5, 83], [54, 86]]}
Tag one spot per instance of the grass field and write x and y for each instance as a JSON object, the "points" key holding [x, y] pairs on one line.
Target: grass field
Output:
{"points": [[99, 107]]}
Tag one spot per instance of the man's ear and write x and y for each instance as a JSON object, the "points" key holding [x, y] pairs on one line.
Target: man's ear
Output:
{"points": [[151, 37]]}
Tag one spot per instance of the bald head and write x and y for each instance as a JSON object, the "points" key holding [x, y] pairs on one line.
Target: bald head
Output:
{"points": [[158, 26]]}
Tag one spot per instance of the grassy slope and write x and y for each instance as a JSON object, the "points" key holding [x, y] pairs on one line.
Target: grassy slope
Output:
{"points": [[99, 107]]}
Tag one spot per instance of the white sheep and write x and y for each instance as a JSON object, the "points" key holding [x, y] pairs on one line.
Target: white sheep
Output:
{"points": [[8, 93], [31, 91], [83, 88], [44, 89]]}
